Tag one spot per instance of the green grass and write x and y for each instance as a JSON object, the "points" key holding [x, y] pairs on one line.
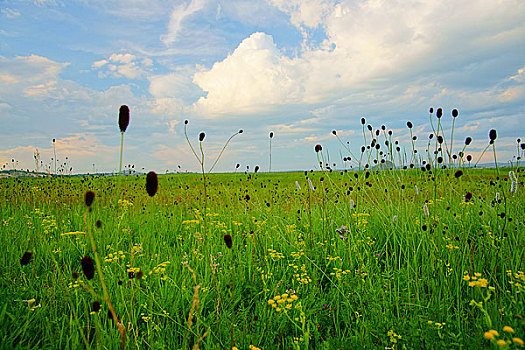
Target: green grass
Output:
{"points": [[394, 277]]}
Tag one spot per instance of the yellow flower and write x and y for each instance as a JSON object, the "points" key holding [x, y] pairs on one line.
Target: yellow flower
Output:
{"points": [[494, 332], [508, 329], [518, 341], [488, 335], [501, 343]]}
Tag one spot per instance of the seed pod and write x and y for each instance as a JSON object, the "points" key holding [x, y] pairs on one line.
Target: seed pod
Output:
{"points": [[201, 136], [363, 121], [271, 134], [96, 306], [454, 113], [152, 183], [89, 198], [26, 258], [318, 148], [241, 131], [493, 135], [256, 168], [228, 240], [468, 140], [439, 113], [431, 110], [123, 118], [88, 267], [409, 124]]}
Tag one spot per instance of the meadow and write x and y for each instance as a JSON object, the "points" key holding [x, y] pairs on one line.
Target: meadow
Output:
{"points": [[423, 257]]}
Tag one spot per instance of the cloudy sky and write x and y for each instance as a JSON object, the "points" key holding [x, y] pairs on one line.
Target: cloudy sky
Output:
{"points": [[299, 68]]}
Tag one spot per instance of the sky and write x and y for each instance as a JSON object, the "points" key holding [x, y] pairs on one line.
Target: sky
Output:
{"points": [[297, 68]]}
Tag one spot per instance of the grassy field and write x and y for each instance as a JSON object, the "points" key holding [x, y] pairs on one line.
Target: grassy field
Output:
{"points": [[379, 259]]}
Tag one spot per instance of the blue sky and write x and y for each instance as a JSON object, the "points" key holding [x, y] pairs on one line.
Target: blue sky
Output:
{"points": [[298, 68]]}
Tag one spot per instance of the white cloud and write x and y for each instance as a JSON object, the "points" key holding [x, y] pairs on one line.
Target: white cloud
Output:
{"points": [[367, 44], [99, 64], [123, 65], [310, 13], [32, 75], [10, 13], [178, 15], [511, 94], [252, 79]]}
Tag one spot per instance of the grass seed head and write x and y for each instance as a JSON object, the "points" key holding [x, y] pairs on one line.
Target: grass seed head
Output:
{"points": [[409, 124], [96, 306], [88, 267], [318, 148], [26, 258], [89, 198], [493, 135], [152, 183], [202, 135], [439, 113], [454, 113], [123, 118], [271, 134], [228, 240]]}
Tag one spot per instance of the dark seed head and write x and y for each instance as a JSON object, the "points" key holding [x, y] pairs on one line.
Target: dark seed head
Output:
{"points": [[468, 140], [152, 183], [440, 139], [468, 196], [409, 124], [26, 258], [88, 267], [89, 197], [123, 118], [99, 224], [431, 110], [458, 174], [363, 121], [201, 136], [369, 127], [454, 113], [228, 240], [318, 148], [493, 135], [522, 146], [237, 166], [271, 134], [186, 122], [439, 113], [256, 168], [334, 132], [241, 131], [96, 306], [469, 157]]}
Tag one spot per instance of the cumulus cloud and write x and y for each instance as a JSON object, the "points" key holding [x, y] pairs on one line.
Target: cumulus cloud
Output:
{"points": [[123, 65], [252, 79], [367, 43]]}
